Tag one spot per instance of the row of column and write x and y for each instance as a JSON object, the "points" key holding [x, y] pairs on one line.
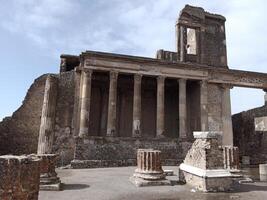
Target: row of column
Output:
{"points": [[85, 98]]}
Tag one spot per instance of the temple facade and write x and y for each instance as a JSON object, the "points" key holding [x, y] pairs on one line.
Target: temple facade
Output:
{"points": [[106, 106]]}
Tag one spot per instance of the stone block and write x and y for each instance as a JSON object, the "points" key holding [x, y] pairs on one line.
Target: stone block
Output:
{"points": [[263, 172], [19, 177], [48, 175]]}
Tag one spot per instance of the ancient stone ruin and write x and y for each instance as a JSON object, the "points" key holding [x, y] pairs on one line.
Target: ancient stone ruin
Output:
{"points": [[49, 179], [102, 107], [19, 177], [205, 167], [149, 171]]}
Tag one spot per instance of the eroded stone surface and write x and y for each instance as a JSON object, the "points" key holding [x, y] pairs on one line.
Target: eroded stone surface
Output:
{"points": [[19, 177], [48, 175], [203, 167], [149, 171]]}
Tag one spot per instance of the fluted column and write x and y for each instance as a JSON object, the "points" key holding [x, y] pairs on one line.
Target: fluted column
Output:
{"points": [[112, 104], [203, 105], [160, 106], [137, 106], [85, 98], [182, 108], [46, 132]]}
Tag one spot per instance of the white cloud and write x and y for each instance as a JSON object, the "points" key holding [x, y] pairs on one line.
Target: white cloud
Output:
{"points": [[135, 27]]}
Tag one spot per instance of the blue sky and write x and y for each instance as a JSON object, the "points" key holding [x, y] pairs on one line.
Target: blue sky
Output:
{"points": [[33, 34]]}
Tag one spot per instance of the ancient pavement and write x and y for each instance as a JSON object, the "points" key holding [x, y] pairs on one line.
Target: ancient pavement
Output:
{"points": [[114, 184]]}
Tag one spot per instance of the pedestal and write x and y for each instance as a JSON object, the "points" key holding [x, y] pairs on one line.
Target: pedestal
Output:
{"points": [[203, 167], [19, 177], [149, 170], [48, 175]]}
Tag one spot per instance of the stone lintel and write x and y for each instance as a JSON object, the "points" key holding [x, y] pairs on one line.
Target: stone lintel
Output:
{"points": [[134, 64], [207, 134]]}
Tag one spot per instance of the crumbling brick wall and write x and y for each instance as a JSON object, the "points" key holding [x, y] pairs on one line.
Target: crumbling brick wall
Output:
{"points": [[19, 133]]}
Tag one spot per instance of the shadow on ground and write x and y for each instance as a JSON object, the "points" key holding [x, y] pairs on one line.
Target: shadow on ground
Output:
{"points": [[250, 187], [74, 186]]}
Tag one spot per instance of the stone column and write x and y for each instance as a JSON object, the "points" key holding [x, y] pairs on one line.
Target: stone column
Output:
{"points": [[85, 98], [149, 170], [149, 164], [182, 108], [112, 104], [46, 132], [137, 106], [48, 180], [160, 106], [227, 138], [265, 97], [203, 105]]}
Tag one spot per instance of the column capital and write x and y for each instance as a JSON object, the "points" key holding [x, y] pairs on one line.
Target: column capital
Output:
{"points": [[113, 75], [182, 80], [138, 77], [88, 72], [161, 78]]}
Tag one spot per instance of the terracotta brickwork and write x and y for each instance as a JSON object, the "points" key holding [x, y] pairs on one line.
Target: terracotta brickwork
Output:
{"points": [[20, 177]]}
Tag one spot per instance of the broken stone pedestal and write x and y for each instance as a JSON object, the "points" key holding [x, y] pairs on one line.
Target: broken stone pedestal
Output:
{"points": [[203, 167], [231, 158], [48, 175], [263, 172], [149, 170], [19, 177]]}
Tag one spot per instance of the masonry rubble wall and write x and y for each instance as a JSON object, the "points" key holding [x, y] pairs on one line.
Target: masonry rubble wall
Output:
{"points": [[19, 133], [250, 142], [20, 176]]}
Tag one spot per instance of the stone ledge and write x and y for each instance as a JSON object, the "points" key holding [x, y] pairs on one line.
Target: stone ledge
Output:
{"points": [[206, 173], [51, 187]]}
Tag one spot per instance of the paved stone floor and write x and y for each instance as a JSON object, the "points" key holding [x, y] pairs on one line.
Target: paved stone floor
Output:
{"points": [[114, 184]]}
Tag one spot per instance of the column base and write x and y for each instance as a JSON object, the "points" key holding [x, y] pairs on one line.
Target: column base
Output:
{"points": [[149, 175], [140, 182], [48, 175]]}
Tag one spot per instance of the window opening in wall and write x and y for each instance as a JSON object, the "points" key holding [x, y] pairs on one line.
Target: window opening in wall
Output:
{"points": [[191, 46]]}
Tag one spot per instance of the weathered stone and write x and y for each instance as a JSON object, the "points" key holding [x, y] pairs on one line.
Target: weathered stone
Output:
{"points": [[231, 158], [263, 172], [48, 175], [101, 94], [149, 171], [19, 177], [46, 133], [203, 166]]}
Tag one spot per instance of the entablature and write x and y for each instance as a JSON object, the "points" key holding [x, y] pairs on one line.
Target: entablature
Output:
{"points": [[154, 67]]}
